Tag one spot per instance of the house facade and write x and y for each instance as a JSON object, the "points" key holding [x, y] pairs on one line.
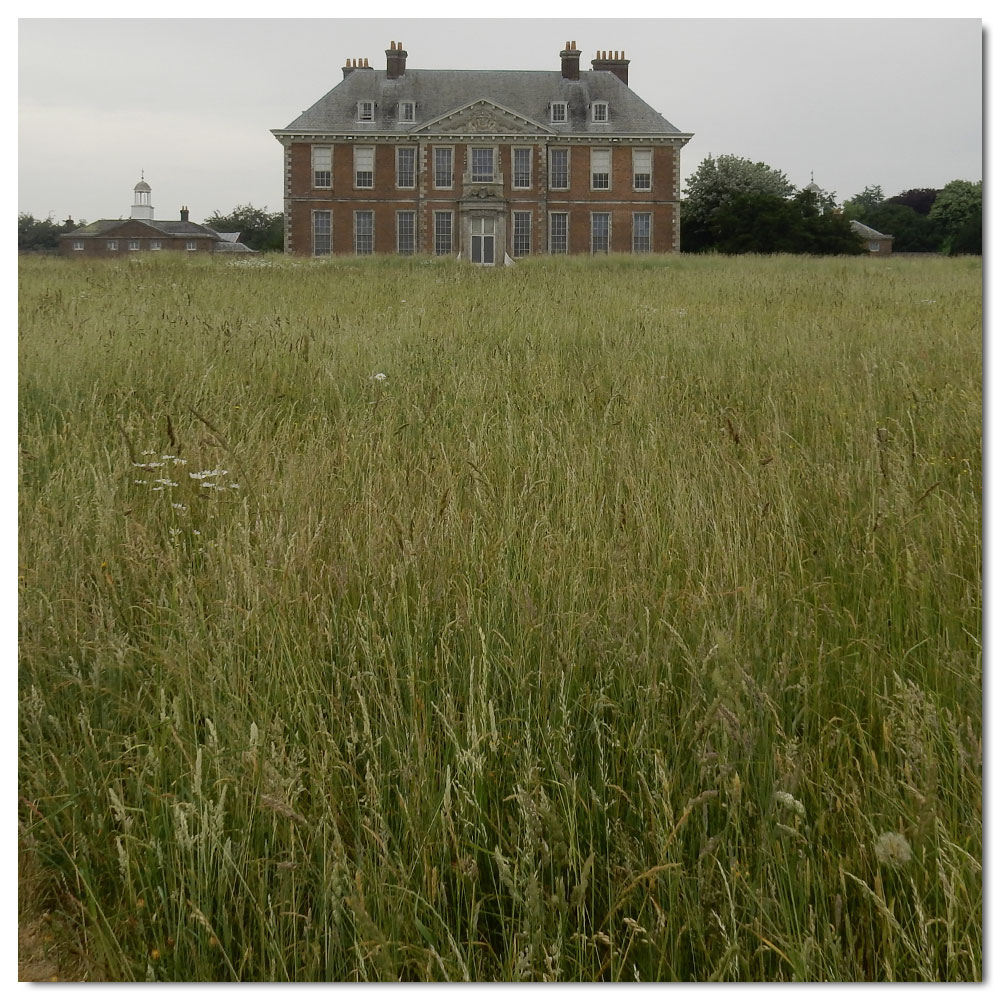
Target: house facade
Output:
{"points": [[140, 232], [482, 164]]}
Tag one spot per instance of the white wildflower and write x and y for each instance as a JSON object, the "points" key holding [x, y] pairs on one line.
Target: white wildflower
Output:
{"points": [[178, 506], [180, 461], [893, 849], [379, 377], [141, 482], [790, 802], [157, 489]]}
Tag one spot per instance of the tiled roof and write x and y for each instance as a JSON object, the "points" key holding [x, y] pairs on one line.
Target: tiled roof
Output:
{"points": [[526, 92]]}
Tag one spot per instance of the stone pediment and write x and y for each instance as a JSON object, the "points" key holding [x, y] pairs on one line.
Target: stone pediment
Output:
{"points": [[483, 117]]}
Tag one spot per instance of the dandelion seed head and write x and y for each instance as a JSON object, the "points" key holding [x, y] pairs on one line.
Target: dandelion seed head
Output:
{"points": [[893, 849]]}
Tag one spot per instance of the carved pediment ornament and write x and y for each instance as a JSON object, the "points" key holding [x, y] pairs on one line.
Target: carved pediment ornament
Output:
{"points": [[483, 121]]}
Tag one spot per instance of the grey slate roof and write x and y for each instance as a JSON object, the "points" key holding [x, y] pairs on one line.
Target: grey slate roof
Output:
{"points": [[437, 92], [227, 242], [867, 232]]}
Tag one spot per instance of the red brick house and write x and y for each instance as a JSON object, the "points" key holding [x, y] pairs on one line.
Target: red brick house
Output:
{"points": [[141, 232], [482, 163]]}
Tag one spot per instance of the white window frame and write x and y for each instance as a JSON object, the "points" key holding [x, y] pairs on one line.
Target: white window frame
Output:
{"points": [[524, 250], [366, 111], [112, 244], [874, 246], [400, 216], [77, 244], [552, 152], [370, 235], [322, 166], [559, 113], [440, 249], [513, 167], [364, 150], [156, 244], [597, 154], [593, 233], [133, 244], [403, 107], [636, 173], [318, 233], [599, 112], [475, 178], [190, 245], [564, 235], [451, 168], [412, 150], [649, 233]]}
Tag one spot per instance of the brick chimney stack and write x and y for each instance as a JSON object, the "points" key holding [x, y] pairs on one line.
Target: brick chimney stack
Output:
{"points": [[350, 65], [395, 61], [613, 62], [570, 61], [184, 213]]}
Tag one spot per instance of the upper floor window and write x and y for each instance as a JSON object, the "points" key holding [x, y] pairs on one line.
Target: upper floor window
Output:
{"points": [[642, 169], [364, 166], [600, 169], [442, 166], [482, 163], [406, 158], [559, 112], [322, 165], [522, 168], [559, 168], [407, 111], [366, 111], [599, 111]]}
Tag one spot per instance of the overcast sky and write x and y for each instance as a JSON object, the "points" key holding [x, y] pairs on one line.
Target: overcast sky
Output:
{"points": [[192, 101]]}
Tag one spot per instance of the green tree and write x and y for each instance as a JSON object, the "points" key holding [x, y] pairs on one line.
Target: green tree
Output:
{"points": [[767, 223], [41, 235], [860, 205], [258, 228], [717, 181], [910, 231], [958, 209]]}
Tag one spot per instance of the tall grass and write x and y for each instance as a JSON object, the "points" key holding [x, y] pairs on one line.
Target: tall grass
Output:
{"points": [[606, 637]]}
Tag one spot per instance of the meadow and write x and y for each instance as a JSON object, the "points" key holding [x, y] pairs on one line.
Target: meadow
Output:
{"points": [[582, 620]]}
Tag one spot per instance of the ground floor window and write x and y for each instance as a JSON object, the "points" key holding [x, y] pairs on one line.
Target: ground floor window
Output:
{"points": [[406, 232], [600, 232], [364, 233], [77, 244], [641, 230], [322, 233], [133, 244], [442, 232], [558, 232], [112, 244], [190, 245], [521, 244]]}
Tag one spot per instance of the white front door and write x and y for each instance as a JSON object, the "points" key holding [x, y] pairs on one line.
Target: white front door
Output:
{"points": [[483, 240]]}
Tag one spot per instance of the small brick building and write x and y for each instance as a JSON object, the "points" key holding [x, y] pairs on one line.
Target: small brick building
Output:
{"points": [[875, 242], [482, 163], [141, 232]]}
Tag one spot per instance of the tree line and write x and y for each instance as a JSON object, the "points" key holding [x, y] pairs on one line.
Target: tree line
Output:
{"points": [[733, 205]]}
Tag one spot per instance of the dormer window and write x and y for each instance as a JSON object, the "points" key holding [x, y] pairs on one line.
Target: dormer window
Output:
{"points": [[407, 111], [366, 111], [599, 111], [559, 112]]}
